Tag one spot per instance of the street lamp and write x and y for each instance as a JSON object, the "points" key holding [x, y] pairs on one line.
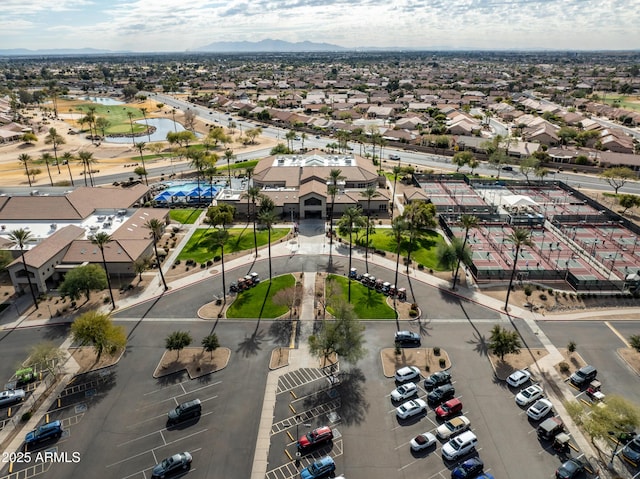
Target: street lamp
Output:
{"points": [[298, 453]]}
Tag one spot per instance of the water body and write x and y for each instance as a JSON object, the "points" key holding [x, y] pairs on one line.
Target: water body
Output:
{"points": [[102, 100], [162, 127]]}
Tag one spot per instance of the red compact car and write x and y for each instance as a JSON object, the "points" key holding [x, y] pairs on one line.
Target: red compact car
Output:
{"points": [[449, 408], [318, 436]]}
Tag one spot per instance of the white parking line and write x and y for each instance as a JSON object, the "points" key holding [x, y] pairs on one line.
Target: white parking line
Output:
{"points": [[180, 385], [153, 449], [172, 398], [144, 471]]}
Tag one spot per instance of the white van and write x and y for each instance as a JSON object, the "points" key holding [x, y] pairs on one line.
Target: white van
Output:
{"points": [[459, 446]]}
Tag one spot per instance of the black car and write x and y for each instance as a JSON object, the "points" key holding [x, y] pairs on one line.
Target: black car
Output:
{"points": [[184, 411], [437, 379], [441, 394], [407, 337], [632, 450]]}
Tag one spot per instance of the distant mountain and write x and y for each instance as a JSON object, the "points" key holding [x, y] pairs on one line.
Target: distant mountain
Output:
{"points": [[12, 52], [269, 45]]}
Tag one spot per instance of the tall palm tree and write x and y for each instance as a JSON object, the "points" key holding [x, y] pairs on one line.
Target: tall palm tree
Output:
{"points": [[397, 170], [518, 238], [101, 240], [21, 237], [335, 175], [68, 158], [157, 227], [368, 193], [173, 115], [55, 139], [198, 161], [210, 172], [268, 218], [420, 216], [143, 146], [46, 157], [25, 159], [398, 232], [468, 222], [351, 220], [219, 238], [144, 115], [86, 158], [133, 137], [228, 155], [253, 195]]}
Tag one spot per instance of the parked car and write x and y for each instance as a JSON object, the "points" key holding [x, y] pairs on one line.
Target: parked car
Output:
{"points": [[320, 435], [452, 427], [407, 337], [459, 446], [468, 469], [422, 441], [583, 376], [407, 373], [411, 408], [322, 467], [50, 430], [569, 469], [632, 450], [404, 391], [540, 409], [184, 411], [528, 395], [172, 464], [550, 428], [518, 378], [11, 396], [437, 379], [441, 394], [449, 408]]}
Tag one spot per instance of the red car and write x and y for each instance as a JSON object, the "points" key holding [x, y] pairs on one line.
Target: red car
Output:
{"points": [[321, 435], [449, 408]]}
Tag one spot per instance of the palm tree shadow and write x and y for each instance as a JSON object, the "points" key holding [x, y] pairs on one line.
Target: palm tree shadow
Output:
{"points": [[264, 302], [250, 345], [479, 340], [424, 326]]}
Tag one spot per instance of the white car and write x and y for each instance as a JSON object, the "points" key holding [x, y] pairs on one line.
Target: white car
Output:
{"points": [[452, 427], [518, 378], [540, 409], [411, 408], [407, 373], [404, 391], [422, 441], [528, 395]]}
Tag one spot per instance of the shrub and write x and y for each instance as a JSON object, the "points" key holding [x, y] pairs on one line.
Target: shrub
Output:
{"points": [[527, 290], [436, 350], [564, 367], [420, 266], [203, 265], [397, 350], [26, 416], [443, 363], [177, 262], [543, 297], [413, 313], [550, 291], [209, 263], [217, 258]]}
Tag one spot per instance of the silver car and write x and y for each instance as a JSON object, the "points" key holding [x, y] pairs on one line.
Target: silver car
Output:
{"points": [[11, 396]]}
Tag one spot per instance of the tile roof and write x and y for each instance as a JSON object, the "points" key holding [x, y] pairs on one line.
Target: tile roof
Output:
{"points": [[51, 246]]}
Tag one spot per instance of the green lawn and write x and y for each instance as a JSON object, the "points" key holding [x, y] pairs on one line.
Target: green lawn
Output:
{"points": [[424, 249], [236, 166], [367, 303], [117, 116], [631, 102], [257, 302], [186, 217], [200, 249]]}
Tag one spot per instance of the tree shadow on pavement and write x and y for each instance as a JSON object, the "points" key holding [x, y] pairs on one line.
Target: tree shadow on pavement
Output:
{"points": [[479, 340], [280, 331], [351, 391], [250, 345]]}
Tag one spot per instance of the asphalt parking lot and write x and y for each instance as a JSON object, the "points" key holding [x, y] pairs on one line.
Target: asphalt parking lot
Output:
{"points": [[372, 443]]}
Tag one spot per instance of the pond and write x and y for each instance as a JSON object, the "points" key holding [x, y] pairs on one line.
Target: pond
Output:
{"points": [[162, 127], [102, 100]]}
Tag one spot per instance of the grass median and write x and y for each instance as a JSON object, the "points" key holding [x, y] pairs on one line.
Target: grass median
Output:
{"points": [[257, 302]]}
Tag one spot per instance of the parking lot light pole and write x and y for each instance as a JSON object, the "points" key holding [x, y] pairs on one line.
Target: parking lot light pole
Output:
{"points": [[615, 450]]}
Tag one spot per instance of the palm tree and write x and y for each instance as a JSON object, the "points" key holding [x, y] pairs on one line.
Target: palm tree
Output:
{"points": [[368, 193], [398, 231], [468, 222], [519, 237], [101, 239], [252, 195], [68, 158], [157, 227], [144, 114], [420, 216], [198, 161], [55, 139], [397, 170], [335, 175], [173, 115], [25, 159], [133, 137], [268, 218], [142, 146], [350, 220], [46, 157], [103, 124], [21, 237], [86, 158], [228, 155], [219, 238]]}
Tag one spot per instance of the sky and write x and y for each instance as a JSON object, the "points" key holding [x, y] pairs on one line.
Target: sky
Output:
{"points": [[181, 25]]}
